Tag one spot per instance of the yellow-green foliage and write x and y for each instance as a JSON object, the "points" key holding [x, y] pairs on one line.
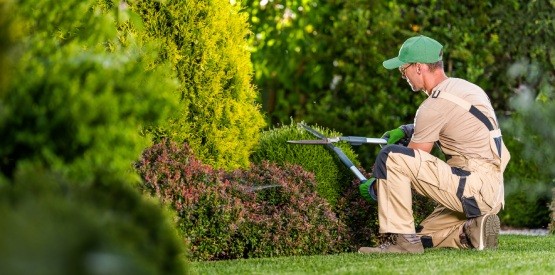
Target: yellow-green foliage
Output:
{"points": [[74, 105], [206, 43], [8, 34]]}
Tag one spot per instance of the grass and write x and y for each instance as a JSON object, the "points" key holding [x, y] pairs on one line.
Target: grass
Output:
{"points": [[517, 254]]}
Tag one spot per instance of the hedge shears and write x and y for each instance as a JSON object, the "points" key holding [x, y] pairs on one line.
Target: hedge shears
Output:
{"points": [[323, 140]]}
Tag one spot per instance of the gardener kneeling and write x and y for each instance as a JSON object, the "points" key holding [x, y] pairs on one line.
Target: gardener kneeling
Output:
{"points": [[468, 187]]}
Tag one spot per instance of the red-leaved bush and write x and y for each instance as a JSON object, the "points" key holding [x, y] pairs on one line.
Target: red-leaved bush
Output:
{"points": [[264, 211], [360, 216]]}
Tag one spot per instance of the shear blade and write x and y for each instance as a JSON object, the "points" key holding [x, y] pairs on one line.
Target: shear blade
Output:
{"points": [[309, 141], [312, 131]]}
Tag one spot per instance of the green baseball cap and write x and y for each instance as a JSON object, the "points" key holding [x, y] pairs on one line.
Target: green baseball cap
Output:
{"points": [[418, 49]]}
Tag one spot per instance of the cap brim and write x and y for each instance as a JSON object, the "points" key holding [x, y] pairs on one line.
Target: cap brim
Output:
{"points": [[393, 63]]}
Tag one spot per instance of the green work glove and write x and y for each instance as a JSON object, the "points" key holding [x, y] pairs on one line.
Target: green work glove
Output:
{"points": [[366, 189], [401, 135], [394, 136]]}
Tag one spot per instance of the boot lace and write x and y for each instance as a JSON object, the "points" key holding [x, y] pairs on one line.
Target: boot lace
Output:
{"points": [[386, 241]]}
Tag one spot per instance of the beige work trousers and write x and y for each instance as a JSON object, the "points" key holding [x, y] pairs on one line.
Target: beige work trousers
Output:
{"points": [[400, 170]]}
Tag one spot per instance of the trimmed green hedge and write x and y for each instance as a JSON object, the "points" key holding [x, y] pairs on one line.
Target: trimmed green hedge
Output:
{"points": [[332, 176]]}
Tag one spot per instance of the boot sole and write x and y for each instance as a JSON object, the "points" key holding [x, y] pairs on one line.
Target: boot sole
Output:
{"points": [[490, 232]]}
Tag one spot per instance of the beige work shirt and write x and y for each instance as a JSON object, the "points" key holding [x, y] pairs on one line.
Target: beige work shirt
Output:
{"points": [[458, 131]]}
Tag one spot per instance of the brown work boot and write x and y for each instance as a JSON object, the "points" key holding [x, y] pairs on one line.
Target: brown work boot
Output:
{"points": [[482, 232], [396, 243]]}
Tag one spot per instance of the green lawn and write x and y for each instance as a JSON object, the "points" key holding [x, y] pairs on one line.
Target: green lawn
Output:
{"points": [[517, 254]]}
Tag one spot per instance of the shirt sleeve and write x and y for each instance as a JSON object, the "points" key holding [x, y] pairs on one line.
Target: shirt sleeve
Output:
{"points": [[427, 125]]}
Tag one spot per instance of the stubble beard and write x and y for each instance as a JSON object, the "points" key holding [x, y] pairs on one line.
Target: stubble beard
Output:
{"points": [[413, 88]]}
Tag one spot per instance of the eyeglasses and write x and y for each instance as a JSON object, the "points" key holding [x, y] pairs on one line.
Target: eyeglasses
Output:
{"points": [[404, 70]]}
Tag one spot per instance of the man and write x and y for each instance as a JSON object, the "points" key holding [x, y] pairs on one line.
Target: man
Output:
{"points": [[468, 187]]}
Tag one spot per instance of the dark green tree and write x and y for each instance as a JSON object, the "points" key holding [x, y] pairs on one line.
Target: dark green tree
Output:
{"points": [[320, 61], [531, 176], [527, 64]]}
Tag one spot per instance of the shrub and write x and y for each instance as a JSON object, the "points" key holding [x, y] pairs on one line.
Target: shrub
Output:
{"points": [[332, 176], [360, 217], [526, 193], [79, 98], [552, 208], [203, 203], [70, 123], [50, 226], [9, 33], [524, 209], [205, 41], [530, 174], [289, 217], [265, 211]]}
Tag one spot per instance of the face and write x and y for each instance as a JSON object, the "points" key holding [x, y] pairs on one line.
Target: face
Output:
{"points": [[407, 71], [403, 69]]}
